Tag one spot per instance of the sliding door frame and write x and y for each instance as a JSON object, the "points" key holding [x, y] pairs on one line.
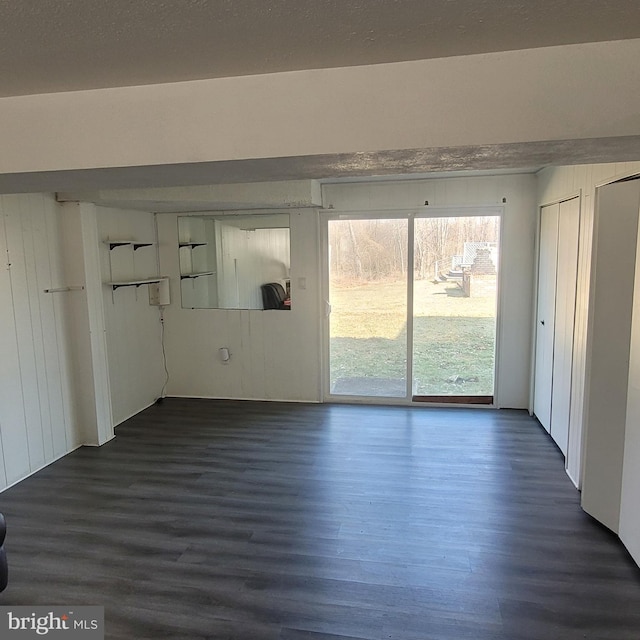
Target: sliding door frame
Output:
{"points": [[326, 218], [410, 215]]}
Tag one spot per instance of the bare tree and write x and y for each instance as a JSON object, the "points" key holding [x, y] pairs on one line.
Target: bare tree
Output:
{"points": [[373, 249], [357, 261]]}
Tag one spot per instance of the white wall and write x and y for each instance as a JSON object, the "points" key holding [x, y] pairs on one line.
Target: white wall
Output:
{"points": [[516, 264], [275, 354], [560, 183], [56, 391], [552, 93], [133, 329], [85, 314], [38, 415], [630, 492]]}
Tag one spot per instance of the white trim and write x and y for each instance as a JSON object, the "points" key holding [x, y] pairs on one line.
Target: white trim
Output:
{"points": [[402, 402], [617, 178], [97, 446], [499, 313], [411, 234], [571, 196], [135, 413], [241, 399], [41, 467], [324, 307], [573, 480], [236, 213], [428, 211], [320, 308]]}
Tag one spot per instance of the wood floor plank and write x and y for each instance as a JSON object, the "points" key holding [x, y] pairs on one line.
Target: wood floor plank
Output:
{"points": [[273, 521]]}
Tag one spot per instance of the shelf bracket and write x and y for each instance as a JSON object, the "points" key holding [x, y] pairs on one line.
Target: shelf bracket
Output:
{"points": [[116, 243]]}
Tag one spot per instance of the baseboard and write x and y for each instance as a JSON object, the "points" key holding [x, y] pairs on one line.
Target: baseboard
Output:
{"points": [[93, 444], [40, 468], [189, 397], [573, 480], [135, 413]]}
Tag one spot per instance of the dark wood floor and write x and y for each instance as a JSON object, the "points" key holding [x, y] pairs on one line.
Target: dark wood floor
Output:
{"points": [[265, 521]]}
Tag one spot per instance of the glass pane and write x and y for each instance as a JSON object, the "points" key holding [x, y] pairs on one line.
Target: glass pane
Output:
{"points": [[368, 296], [235, 261], [454, 314]]}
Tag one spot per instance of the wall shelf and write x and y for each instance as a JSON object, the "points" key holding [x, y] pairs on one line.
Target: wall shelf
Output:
{"points": [[127, 243], [191, 276], [158, 285], [135, 283], [191, 245]]}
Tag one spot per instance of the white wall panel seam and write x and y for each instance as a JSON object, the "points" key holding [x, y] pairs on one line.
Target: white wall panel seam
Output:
{"points": [[57, 331], [37, 322], [20, 366]]}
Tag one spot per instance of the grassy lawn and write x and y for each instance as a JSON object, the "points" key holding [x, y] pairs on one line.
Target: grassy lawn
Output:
{"points": [[453, 335]]}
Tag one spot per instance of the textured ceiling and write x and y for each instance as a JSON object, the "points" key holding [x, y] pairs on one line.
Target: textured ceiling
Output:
{"points": [[411, 162], [62, 45]]}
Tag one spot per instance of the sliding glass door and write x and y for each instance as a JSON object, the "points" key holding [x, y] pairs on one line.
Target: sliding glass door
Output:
{"points": [[456, 262], [425, 332], [368, 298]]}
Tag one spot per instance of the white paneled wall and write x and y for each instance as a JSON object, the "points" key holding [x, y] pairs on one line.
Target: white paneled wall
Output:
{"points": [[133, 329], [37, 414], [61, 375], [275, 355], [516, 263], [554, 184]]}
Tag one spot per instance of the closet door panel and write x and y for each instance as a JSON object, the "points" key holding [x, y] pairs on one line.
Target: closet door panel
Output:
{"points": [[566, 279], [545, 316]]}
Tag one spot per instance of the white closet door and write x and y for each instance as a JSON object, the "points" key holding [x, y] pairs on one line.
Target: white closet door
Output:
{"points": [[566, 279], [611, 301], [546, 312], [630, 494]]}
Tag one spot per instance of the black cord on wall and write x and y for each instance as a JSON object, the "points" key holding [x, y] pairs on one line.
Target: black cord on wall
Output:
{"points": [[164, 356]]}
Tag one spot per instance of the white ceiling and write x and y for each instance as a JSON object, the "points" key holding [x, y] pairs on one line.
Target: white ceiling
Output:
{"points": [[61, 45]]}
